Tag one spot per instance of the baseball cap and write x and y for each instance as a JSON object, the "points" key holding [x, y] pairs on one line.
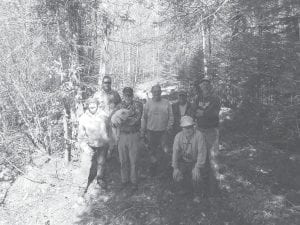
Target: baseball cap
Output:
{"points": [[186, 121]]}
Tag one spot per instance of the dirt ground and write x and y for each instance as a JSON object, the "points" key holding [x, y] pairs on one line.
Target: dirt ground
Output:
{"points": [[260, 186]]}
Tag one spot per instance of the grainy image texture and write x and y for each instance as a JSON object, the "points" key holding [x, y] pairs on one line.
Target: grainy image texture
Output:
{"points": [[149, 112]]}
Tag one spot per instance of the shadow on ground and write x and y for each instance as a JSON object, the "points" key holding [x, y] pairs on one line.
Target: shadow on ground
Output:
{"points": [[156, 203]]}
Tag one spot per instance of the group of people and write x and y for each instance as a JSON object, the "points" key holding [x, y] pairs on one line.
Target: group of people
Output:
{"points": [[189, 127]]}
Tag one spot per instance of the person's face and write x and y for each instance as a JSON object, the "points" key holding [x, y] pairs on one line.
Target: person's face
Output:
{"points": [[156, 93], [106, 84], [93, 108], [182, 99], [188, 131], [128, 98], [205, 88]]}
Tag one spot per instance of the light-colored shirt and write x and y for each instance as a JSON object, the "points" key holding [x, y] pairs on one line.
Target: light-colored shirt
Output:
{"points": [[189, 149], [93, 128], [107, 100], [157, 115]]}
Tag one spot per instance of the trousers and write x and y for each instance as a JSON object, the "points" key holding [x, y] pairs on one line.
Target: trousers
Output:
{"points": [[187, 183], [93, 162], [211, 170], [128, 148]]}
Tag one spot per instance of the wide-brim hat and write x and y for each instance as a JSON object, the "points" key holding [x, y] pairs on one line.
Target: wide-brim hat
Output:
{"points": [[187, 121]]}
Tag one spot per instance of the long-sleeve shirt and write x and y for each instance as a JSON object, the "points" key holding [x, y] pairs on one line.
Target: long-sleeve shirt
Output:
{"points": [[108, 100], [211, 108], [133, 122], [190, 149], [93, 128], [157, 115]]}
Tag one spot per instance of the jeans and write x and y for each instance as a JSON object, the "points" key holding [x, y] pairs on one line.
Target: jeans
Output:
{"points": [[93, 162]]}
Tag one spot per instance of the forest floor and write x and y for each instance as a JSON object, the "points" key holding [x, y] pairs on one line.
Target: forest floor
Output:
{"points": [[261, 186]]}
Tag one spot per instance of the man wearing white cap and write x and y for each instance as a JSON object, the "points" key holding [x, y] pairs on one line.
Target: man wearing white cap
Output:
{"points": [[189, 154]]}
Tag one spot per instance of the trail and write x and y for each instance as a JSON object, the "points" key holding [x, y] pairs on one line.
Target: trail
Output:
{"points": [[56, 200]]}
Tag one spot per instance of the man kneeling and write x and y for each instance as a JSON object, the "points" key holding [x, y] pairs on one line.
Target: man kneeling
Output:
{"points": [[189, 154]]}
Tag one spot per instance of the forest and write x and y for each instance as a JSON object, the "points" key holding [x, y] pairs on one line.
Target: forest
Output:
{"points": [[54, 53]]}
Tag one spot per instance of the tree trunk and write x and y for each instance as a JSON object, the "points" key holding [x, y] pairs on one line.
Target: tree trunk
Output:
{"points": [[204, 48], [67, 132]]}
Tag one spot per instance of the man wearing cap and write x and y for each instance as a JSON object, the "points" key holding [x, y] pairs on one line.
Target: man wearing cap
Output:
{"points": [[189, 154], [128, 141], [93, 140], [157, 121], [180, 108], [207, 107]]}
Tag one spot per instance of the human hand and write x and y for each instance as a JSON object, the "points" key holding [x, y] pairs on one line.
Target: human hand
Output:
{"points": [[177, 175], [196, 174]]}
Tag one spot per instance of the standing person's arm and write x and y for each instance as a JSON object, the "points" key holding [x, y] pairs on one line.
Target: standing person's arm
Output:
{"points": [[118, 99], [171, 117], [194, 107], [137, 115], [213, 109], [82, 135], [144, 119], [175, 154]]}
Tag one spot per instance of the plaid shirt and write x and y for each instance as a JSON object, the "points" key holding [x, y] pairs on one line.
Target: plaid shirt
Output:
{"points": [[133, 122]]}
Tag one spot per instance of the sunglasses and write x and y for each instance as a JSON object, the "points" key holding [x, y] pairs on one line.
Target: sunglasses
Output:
{"points": [[106, 82]]}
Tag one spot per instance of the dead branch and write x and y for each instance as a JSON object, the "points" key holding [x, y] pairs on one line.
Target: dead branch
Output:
{"points": [[5, 195], [22, 172]]}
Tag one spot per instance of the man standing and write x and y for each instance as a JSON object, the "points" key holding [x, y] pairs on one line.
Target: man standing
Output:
{"points": [[107, 97], [181, 108], [207, 108], [108, 100], [128, 144], [157, 121], [189, 154], [93, 140]]}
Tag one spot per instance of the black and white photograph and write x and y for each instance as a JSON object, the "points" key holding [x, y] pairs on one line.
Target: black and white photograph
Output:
{"points": [[149, 112]]}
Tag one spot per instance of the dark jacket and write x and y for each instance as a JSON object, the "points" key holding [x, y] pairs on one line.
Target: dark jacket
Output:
{"points": [[177, 116], [133, 122], [211, 107]]}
